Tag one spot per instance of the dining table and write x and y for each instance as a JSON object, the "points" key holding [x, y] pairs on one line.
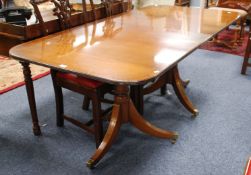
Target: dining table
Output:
{"points": [[133, 48]]}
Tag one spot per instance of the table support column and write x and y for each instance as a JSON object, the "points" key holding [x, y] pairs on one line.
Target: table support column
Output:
{"points": [[125, 111], [136, 94]]}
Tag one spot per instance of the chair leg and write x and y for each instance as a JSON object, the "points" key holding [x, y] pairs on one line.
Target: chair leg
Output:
{"points": [[244, 66], [97, 118], [86, 103], [242, 31], [59, 100], [163, 90]]}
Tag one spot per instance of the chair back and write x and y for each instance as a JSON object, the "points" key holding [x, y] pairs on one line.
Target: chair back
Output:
{"points": [[109, 5], [63, 10], [35, 4]]}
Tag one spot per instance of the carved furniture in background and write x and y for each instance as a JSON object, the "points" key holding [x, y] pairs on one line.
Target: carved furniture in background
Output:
{"points": [[240, 25], [11, 35]]}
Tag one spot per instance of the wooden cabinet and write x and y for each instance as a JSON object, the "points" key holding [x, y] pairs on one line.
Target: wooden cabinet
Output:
{"points": [[182, 2]]}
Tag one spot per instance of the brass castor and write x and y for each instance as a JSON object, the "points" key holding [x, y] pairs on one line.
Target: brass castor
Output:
{"points": [[90, 164], [196, 113], [175, 138]]}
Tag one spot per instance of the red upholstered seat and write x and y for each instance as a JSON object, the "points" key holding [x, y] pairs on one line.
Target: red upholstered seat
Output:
{"points": [[79, 80], [248, 168]]}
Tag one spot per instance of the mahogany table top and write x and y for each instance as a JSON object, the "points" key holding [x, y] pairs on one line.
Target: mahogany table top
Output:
{"points": [[129, 48]]}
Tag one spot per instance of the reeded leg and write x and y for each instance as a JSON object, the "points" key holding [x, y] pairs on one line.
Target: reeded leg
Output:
{"points": [[109, 137], [59, 100], [139, 122], [86, 103], [31, 97], [180, 92]]}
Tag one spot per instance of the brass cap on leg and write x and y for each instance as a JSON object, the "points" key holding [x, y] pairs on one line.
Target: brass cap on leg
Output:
{"points": [[174, 138], [196, 113], [90, 164]]}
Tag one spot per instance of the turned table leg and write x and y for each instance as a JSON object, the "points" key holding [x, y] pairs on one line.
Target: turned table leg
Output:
{"points": [[31, 97], [125, 111]]}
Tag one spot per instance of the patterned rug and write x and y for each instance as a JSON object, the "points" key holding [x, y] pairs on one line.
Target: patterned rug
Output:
{"points": [[227, 35], [11, 74]]}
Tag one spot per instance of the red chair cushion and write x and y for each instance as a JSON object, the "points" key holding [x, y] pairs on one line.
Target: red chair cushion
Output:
{"points": [[248, 168], [86, 82]]}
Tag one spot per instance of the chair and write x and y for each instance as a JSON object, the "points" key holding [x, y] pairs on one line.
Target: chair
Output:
{"points": [[92, 89], [246, 56]]}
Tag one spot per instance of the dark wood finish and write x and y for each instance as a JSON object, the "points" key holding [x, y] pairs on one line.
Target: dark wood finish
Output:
{"points": [[153, 66], [86, 103], [136, 94], [63, 10], [95, 94], [118, 59], [246, 63], [31, 97], [124, 111]]}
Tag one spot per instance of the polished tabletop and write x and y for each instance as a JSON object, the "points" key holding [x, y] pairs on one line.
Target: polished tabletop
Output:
{"points": [[129, 48]]}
